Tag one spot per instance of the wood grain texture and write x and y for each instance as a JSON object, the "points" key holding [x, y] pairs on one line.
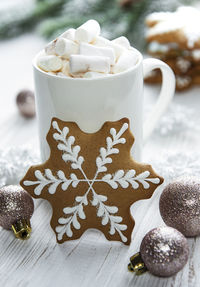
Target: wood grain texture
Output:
{"points": [[92, 260]]}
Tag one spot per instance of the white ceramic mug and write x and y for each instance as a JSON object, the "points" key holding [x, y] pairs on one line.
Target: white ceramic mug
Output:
{"points": [[91, 102]]}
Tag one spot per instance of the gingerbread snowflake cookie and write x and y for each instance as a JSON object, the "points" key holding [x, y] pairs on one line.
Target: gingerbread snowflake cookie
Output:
{"points": [[185, 73], [175, 39], [181, 27], [91, 180], [183, 82]]}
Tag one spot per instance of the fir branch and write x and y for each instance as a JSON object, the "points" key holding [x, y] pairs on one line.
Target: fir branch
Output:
{"points": [[20, 20], [55, 16]]}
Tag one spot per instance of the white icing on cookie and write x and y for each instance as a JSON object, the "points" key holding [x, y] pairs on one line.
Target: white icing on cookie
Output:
{"points": [[158, 17], [196, 54], [183, 64], [183, 81], [186, 19], [155, 47]]}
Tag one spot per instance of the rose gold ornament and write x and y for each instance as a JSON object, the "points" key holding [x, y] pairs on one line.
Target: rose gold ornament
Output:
{"points": [[16, 209], [26, 103], [164, 251], [180, 205]]}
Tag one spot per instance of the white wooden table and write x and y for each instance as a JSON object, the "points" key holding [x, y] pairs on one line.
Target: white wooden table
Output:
{"points": [[90, 261]]}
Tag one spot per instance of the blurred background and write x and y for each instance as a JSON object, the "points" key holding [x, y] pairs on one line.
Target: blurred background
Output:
{"points": [[49, 18]]}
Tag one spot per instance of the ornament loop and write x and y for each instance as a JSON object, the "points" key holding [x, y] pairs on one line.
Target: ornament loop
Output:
{"points": [[136, 264], [22, 229]]}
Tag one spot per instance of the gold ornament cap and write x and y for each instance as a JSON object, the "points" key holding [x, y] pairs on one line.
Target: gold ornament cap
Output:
{"points": [[136, 264], [22, 229]]}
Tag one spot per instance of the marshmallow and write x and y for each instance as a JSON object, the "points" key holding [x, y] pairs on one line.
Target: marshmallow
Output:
{"points": [[102, 42], [91, 50], [122, 41], [87, 32], [82, 64], [69, 34], [52, 73], [65, 48], [50, 48], [92, 75], [50, 63], [83, 53], [65, 68], [126, 61], [61, 75]]}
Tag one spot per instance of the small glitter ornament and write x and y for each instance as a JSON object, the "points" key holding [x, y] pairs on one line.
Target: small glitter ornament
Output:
{"points": [[164, 251], [126, 3], [26, 103], [16, 209], [180, 205]]}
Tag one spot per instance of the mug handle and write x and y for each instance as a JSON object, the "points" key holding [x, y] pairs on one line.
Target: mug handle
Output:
{"points": [[166, 93]]}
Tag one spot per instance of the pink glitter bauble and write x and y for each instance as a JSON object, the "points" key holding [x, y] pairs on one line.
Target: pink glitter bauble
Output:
{"points": [[26, 103], [164, 251], [180, 205], [15, 204]]}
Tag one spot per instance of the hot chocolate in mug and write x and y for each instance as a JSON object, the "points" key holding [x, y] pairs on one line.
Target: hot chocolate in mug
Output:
{"points": [[91, 102]]}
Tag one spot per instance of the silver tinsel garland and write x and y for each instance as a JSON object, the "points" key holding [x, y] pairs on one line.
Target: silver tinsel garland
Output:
{"points": [[172, 164], [178, 118], [14, 163]]}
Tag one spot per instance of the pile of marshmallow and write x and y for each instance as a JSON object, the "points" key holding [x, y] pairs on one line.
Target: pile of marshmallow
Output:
{"points": [[82, 53]]}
